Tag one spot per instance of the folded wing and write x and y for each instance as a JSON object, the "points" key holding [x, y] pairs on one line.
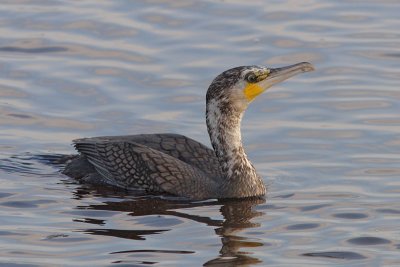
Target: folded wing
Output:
{"points": [[132, 165]]}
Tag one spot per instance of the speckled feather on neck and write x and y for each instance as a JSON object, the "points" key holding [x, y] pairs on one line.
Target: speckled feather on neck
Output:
{"points": [[223, 119]]}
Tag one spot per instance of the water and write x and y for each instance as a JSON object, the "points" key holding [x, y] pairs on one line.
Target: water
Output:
{"points": [[327, 143]]}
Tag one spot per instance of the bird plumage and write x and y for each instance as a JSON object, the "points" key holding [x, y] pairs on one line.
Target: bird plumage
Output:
{"points": [[178, 165]]}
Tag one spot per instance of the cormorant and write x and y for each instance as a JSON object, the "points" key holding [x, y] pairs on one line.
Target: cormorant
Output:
{"points": [[178, 165]]}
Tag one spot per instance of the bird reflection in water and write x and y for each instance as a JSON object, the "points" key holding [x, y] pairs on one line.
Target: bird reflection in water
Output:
{"points": [[237, 216]]}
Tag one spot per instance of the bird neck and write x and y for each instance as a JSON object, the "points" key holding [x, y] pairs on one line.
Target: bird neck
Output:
{"points": [[240, 177]]}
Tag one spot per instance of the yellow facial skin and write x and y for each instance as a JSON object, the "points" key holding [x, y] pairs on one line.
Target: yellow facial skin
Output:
{"points": [[252, 90]]}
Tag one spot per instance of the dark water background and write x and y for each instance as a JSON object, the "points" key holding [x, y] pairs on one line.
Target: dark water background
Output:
{"points": [[327, 143]]}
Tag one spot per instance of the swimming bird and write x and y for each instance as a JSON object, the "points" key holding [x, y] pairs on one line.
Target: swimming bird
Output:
{"points": [[181, 166]]}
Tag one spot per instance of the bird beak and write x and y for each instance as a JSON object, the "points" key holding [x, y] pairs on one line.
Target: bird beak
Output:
{"points": [[278, 75], [273, 76]]}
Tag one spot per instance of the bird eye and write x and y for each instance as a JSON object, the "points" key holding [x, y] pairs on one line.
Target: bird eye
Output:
{"points": [[251, 77]]}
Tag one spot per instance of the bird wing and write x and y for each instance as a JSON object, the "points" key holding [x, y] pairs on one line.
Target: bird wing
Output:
{"points": [[175, 145], [132, 165]]}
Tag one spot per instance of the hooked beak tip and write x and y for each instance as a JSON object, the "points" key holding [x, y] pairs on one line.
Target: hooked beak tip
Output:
{"points": [[306, 66]]}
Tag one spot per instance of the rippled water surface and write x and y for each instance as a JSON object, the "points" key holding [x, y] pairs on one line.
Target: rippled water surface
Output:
{"points": [[327, 143]]}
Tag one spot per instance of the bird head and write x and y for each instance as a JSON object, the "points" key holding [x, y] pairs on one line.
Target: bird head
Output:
{"points": [[239, 86]]}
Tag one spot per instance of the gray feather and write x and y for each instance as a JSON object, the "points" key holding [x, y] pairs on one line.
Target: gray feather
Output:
{"points": [[132, 165]]}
